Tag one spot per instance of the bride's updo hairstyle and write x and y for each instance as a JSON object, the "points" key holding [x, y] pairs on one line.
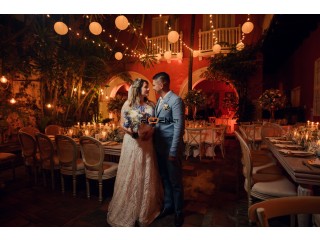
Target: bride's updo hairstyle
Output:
{"points": [[135, 92]]}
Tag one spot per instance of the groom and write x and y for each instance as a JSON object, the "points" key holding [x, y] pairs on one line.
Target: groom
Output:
{"points": [[169, 146]]}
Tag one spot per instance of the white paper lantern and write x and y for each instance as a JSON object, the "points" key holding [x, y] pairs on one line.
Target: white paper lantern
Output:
{"points": [[121, 22], [173, 36], [196, 53], [95, 28], [118, 56], [60, 28], [247, 27], [158, 56], [179, 56], [167, 55], [240, 46], [216, 48]]}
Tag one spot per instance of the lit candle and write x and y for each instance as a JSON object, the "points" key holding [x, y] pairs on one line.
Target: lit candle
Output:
{"points": [[113, 126], [78, 124], [104, 134], [86, 132]]}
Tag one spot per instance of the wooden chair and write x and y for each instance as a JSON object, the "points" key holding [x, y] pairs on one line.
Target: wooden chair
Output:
{"points": [[263, 185], [30, 130], [70, 162], [48, 157], [260, 213], [92, 152], [53, 130], [29, 153], [217, 139], [194, 140]]}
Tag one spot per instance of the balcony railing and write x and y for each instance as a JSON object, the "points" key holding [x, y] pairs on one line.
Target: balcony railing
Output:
{"points": [[227, 37]]}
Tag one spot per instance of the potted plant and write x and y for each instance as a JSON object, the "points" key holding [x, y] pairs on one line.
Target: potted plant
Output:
{"points": [[194, 99]]}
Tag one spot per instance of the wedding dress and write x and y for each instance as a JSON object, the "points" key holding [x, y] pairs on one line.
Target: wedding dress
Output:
{"points": [[138, 191]]}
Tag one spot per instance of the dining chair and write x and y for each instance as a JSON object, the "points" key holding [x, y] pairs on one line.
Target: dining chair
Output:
{"points": [[216, 138], [53, 130], [194, 140], [29, 153], [260, 213], [48, 157], [30, 130], [70, 162], [96, 168], [8, 159], [261, 185]]}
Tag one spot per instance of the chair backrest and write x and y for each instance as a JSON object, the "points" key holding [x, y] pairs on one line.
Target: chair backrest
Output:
{"points": [[92, 153], [46, 148], [53, 130], [218, 135], [30, 130], [67, 150], [194, 136], [271, 130], [28, 145], [261, 212]]}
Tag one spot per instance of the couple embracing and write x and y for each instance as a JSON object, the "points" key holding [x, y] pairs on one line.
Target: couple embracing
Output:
{"points": [[149, 179]]}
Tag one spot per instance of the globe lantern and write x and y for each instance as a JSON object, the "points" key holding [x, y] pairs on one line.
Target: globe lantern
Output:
{"points": [[118, 56], [247, 27], [95, 28], [121, 22], [167, 55], [216, 48], [196, 53], [60, 28], [173, 36]]}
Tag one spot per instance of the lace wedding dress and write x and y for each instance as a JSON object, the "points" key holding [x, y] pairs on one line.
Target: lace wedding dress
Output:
{"points": [[138, 191]]}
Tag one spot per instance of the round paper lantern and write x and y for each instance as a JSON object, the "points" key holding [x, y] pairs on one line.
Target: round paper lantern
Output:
{"points": [[118, 56], [158, 56], [216, 48], [121, 22], [173, 36], [247, 27], [167, 55], [179, 56], [240, 46], [95, 28], [196, 53], [60, 28]]}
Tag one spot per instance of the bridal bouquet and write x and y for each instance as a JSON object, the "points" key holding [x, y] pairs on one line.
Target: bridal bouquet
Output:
{"points": [[133, 119]]}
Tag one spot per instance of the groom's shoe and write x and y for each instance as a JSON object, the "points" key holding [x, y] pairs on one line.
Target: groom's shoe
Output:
{"points": [[178, 219], [165, 211]]}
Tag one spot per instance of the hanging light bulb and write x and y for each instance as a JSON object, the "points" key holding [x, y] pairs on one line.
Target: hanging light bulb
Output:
{"points": [[3, 79], [12, 101], [49, 105], [240, 46]]}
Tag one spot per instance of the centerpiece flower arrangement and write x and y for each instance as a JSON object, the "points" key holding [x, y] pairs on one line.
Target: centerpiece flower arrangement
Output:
{"points": [[231, 104], [194, 98], [272, 99]]}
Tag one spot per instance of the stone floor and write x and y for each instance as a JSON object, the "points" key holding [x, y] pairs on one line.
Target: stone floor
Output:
{"points": [[214, 197]]}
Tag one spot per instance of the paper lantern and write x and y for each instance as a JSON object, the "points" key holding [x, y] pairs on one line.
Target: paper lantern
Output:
{"points": [[247, 27], [167, 55], [240, 46], [179, 56], [216, 48], [158, 56], [121, 22], [95, 28], [60, 28], [118, 56], [196, 53], [173, 36]]}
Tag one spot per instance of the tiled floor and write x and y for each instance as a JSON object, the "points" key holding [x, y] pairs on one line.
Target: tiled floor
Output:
{"points": [[214, 197]]}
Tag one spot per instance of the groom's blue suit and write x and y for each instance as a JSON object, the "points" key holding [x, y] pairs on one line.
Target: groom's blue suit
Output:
{"points": [[169, 142]]}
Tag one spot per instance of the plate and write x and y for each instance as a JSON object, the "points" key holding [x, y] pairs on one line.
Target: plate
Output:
{"points": [[296, 153], [293, 146], [314, 162]]}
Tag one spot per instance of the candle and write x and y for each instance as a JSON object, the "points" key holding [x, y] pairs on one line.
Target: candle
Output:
{"points": [[308, 123], [86, 132]]}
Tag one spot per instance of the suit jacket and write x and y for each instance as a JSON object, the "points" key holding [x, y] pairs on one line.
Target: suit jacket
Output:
{"points": [[170, 128]]}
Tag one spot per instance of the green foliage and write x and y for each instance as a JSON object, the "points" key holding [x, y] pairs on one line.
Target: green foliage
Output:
{"points": [[115, 104], [194, 98]]}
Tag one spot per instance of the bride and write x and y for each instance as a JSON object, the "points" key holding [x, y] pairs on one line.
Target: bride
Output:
{"points": [[138, 192]]}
